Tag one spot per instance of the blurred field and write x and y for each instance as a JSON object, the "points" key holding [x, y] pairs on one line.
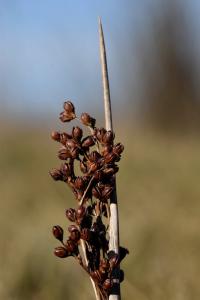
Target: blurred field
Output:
{"points": [[159, 191]]}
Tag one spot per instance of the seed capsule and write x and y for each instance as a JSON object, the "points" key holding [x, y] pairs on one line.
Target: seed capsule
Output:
{"points": [[71, 214], [79, 183], [64, 137], [69, 106], [88, 142], [110, 157], [108, 137], [77, 133], [55, 135], [109, 171], [74, 233], [106, 149], [87, 120], [56, 174], [118, 148], [58, 232], [66, 169], [66, 116], [80, 212], [71, 246], [72, 228], [61, 252], [64, 154], [100, 132]]}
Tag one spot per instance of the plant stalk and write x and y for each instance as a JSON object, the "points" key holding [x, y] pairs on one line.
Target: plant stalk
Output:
{"points": [[114, 217]]}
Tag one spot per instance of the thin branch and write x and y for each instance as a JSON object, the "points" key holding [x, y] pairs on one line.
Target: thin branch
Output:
{"points": [[86, 263], [114, 217], [86, 190]]}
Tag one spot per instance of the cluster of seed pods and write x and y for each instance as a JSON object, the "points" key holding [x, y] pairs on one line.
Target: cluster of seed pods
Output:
{"points": [[88, 238]]}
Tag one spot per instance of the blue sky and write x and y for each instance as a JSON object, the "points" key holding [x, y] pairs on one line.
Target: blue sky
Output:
{"points": [[49, 49]]}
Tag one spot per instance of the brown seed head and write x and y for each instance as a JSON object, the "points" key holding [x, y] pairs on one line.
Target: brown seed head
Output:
{"points": [[69, 107], [72, 228], [58, 232], [100, 132], [80, 212], [61, 252], [71, 246], [56, 174], [87, 120], [79, 183], [108, 137], [106, 149], [106, 191], [71, 214], [118, 148], [109, 171], [64, 137], [64, 154], [66, 116], [74, 233], [66, 169], [55, 135], [88, 142], [77, 133], [110, 158]]}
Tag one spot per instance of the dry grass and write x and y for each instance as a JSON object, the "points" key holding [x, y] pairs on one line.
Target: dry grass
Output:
{"points": [[159, 193]]}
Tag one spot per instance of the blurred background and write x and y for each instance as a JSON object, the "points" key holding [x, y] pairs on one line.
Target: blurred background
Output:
{"points": [[49, 52]]}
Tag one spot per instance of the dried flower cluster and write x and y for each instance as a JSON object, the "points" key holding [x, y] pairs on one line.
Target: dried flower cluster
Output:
{"points": [[88, 237]]}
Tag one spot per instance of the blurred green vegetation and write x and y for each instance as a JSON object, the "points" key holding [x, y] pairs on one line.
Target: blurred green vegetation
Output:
{"points": [[159, 191]]}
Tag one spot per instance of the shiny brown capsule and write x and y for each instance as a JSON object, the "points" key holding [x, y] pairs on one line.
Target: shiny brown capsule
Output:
{"points": [[108, 137], [118, 148], [69, 106], [71, 246], [100, 132], [80, 212], [64, 137], [88, 142], [77, 133], [87, 120], [66, 169], [56, 174], [71, 214], [55, 135], [79, 183], [106, 149], [66, 116], [58, 232], [64, 154], [110, 157], [61, 252], [74, 233]]}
